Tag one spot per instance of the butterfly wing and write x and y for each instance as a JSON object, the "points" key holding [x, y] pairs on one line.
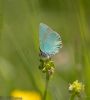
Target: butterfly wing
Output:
{"points": [[50, 41]]}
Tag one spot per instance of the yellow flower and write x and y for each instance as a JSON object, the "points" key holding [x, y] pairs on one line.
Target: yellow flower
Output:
{"points": [[76, 87], [26, 95]]}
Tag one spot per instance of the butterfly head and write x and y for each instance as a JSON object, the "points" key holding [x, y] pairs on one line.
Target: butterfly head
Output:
{"points": [[44, 55]]}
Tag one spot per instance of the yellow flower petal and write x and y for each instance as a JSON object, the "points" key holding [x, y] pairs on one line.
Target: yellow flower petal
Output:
{"points": [[26, 95]]}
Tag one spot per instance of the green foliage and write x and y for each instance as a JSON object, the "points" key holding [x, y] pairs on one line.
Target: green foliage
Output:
{"points": [[19, 45]]}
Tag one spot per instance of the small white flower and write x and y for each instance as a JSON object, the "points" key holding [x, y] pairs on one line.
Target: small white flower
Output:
{"points": [[70, 87]]}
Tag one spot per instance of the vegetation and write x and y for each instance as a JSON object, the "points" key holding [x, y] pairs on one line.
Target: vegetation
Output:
{"points": [[19, 46]]}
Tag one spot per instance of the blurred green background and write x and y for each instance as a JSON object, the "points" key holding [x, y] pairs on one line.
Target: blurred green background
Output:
{"points": [[19, 45]]}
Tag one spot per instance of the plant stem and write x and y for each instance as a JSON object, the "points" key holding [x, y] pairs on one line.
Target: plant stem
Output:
{"points": [[46, 86], [72, 96]]}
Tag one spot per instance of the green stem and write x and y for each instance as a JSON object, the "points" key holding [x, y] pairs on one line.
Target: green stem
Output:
{"points": [[46, 86], [72, 96]]}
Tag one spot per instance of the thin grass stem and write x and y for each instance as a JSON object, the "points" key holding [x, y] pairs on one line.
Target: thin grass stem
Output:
{"points": [[46, 86]]}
